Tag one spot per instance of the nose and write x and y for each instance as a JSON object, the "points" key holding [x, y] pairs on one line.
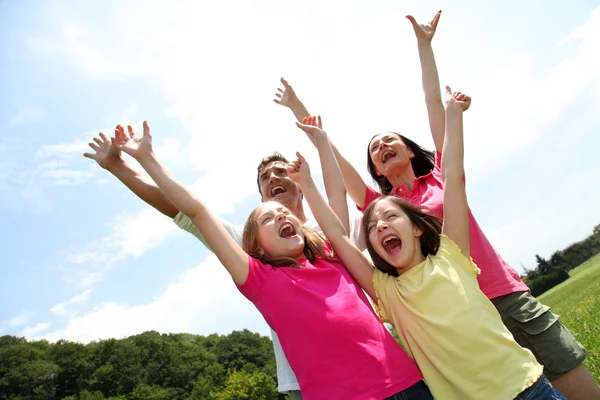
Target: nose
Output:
{"points": [[272, 177], [280, 217], [381, 226]]}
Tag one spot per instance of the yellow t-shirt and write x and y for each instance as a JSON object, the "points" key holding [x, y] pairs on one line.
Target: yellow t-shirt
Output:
{"points": [[452, 331]]}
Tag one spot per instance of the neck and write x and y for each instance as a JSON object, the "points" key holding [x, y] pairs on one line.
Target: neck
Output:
{"points": [[417, 259], [298, 211], [402, 176]]}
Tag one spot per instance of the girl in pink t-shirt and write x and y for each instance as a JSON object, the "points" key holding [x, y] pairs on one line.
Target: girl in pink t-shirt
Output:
{"points": [[331, 336]]}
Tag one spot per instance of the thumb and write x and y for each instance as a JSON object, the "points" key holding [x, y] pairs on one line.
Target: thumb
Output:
{"points": [[448, 90], [413, 22], [147, 129], [305, 128], [300, 157]]}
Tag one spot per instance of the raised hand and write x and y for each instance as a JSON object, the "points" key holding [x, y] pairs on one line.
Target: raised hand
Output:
{"points": [[298, 170], [457, 100], [133, 145], [313, 127], [425, 31], [105, 153], [286, 96]]}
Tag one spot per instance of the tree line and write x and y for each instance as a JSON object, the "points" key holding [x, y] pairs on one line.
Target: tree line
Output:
{"points": [[549, 273], [149, 366]]}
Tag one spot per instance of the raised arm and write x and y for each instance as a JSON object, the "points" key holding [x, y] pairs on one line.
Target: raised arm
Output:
{"points": [[354, 260], [430, 78], [354, 183], [109, 158], [332, 176], [220, 241], [456, 212]]}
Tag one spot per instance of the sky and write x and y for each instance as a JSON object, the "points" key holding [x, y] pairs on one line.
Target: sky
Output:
{"points": [[84, 259]]}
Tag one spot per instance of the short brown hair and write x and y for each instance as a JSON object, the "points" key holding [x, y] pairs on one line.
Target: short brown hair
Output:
{"points": [[266, 161], [429, 224], [314, 245]]}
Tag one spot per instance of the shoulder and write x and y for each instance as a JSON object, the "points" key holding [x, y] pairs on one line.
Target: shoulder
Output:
{"points": [[450, 251], [258, 275]]}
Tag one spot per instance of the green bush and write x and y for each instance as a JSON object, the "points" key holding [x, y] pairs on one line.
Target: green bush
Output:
{"points": [[547, 282]]}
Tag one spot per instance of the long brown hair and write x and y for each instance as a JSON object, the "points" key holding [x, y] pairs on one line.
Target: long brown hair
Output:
{"points": [[429, 224], [422, 163], [314, 245]]}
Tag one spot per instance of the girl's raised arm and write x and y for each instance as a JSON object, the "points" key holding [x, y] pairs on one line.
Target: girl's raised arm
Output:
{"points": [[430, 78], [332, 218], [220, 241], [456, 212]]}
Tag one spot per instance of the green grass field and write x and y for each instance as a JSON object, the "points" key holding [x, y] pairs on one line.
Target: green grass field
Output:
{"points": [[577, 301]]}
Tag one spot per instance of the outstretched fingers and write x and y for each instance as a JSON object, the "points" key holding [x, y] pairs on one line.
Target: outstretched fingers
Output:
{"points": [[147, 129], [435, 20]]}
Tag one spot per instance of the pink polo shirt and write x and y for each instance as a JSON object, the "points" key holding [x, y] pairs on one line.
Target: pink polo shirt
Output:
{"points": [[497, 278], [331, 336]]}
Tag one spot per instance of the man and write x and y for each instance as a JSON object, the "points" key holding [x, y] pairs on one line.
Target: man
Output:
{"points": [[273, 184]]}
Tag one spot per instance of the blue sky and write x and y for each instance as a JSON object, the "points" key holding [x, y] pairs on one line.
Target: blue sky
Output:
{"points": [[84, 259]]}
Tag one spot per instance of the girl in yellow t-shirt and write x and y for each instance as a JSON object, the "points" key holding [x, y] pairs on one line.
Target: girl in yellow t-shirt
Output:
{"points": [[425, 284]]}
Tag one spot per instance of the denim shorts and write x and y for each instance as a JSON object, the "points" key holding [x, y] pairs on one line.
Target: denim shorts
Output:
{"points": [[535, 328], [541, 390], [418, 391]]}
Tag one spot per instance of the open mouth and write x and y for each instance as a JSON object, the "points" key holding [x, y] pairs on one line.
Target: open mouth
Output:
{"points": [[387, 155], [392, 244], [287, 230], [276, 190]]}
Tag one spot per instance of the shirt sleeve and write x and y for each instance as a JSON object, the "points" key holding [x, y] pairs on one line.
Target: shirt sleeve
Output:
{"points": [[380, 281], [370, 196], [449, 249], [185, 223], [356, 232], [258, 273]]}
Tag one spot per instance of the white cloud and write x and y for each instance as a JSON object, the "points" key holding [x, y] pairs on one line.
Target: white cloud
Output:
{"points": [[131, 234], [202, 300], [33, 331], [63, 308], [64, 150], [18, 320]]}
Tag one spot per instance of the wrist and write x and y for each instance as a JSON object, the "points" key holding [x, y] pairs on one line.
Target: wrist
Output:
{"points": [[424, 44], [454, 108], [146, 157], [116, 165]]}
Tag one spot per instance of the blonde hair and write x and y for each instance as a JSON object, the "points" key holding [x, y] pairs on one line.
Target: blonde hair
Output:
{"points": [[314, 245]]}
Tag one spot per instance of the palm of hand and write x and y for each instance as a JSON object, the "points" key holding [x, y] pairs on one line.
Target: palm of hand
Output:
{"points": [[137, 145], [426, 32]]}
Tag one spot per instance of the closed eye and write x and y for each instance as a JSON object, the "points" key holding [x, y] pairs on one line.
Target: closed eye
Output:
{"points": [[390, 216], [266, 219]]}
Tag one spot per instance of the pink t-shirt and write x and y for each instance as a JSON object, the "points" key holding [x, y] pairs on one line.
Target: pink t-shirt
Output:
{"points": [[497, 278], [329, 332]]}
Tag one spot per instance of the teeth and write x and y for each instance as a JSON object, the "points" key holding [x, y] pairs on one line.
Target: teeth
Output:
{"points": [[387, 239], [277, 189], [387, 155], [285, 226]]}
